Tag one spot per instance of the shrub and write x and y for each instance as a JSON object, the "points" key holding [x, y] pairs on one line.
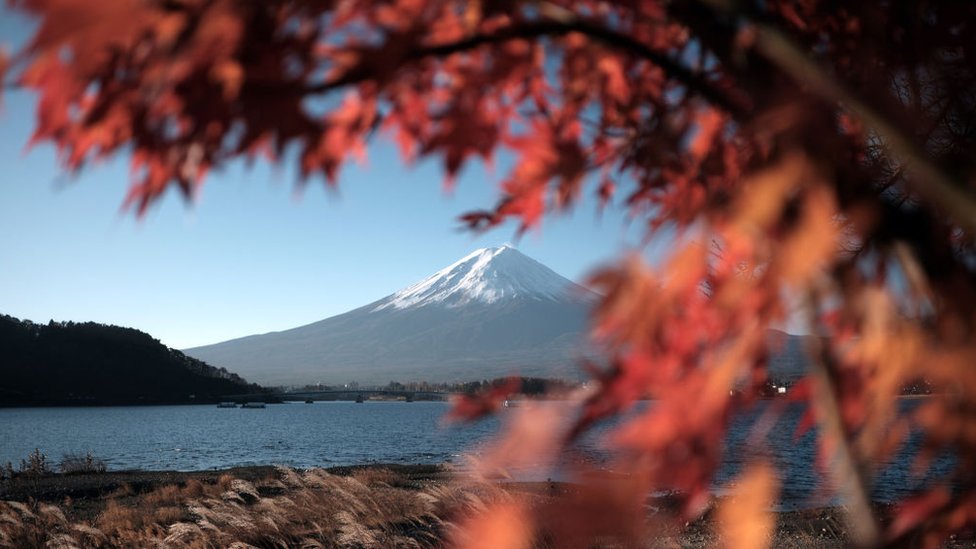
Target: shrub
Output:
{"points": [[36, 464], [76, 464], [7, 472]]}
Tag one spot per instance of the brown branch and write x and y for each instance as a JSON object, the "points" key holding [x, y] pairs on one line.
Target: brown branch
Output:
{"points": [[848, 473], [674, 69], [918, 283]]}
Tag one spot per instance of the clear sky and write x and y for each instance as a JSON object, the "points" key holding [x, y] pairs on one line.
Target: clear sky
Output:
{"points": [[252, 254]]}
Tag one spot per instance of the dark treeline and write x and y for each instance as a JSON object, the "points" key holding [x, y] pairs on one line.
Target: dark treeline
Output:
{"points": [[70, 363], [528, 386]]}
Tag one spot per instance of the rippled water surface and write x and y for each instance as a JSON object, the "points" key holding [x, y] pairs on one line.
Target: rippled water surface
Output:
{"points": [[795, 456], [343, 433], [204, 437]]}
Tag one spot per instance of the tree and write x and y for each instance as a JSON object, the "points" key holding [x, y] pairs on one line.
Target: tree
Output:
{"points": [[809, 150]]}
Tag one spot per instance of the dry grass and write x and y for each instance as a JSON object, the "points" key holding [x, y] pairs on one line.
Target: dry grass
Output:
{"points": [[291, 509], [368, 508]]}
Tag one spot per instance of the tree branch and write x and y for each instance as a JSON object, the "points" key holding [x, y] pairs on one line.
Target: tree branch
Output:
{"points": [[845, 467], [674, 69]]}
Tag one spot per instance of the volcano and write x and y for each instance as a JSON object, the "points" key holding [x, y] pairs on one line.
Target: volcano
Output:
{"points": [[495, 312]]}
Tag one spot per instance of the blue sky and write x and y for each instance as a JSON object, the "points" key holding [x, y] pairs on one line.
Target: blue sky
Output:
{"points": [[252, 254]]}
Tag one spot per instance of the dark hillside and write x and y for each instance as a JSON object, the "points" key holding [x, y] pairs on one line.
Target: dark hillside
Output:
{"points": [[68, 363]]}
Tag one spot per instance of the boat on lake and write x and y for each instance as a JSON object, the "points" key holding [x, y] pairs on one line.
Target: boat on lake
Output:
{"points": [[252, 405], [227, 405]]}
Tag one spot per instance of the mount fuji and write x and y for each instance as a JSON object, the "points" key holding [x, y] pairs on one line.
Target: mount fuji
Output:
{"points": [[495, 312]]}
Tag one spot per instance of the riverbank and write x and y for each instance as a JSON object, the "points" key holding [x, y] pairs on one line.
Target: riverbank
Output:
{"points": [[366, 506]]}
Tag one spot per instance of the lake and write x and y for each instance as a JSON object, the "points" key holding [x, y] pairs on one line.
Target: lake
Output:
{"points": [[326, 434]]}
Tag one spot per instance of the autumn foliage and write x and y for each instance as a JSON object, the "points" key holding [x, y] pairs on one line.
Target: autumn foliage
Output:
{"points": [[807, 154]]}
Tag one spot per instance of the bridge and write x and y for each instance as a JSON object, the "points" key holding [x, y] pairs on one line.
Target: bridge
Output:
{"points": [[340, 394]]}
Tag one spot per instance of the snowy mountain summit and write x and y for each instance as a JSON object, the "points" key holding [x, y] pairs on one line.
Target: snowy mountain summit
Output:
{"points": [[488, 276]]}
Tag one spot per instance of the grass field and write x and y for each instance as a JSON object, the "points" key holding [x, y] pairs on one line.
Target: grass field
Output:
{"points": [[371, 506]]}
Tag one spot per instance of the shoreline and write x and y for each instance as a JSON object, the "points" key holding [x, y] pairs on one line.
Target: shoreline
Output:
{"points": [[56, 486], [165, 501], [268, 400]]}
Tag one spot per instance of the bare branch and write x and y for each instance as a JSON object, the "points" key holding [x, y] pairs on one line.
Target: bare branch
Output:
{"points": [[929, 182]]}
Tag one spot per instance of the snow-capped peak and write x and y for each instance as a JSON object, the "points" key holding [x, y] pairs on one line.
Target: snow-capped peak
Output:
{"points": [[487, 275]]}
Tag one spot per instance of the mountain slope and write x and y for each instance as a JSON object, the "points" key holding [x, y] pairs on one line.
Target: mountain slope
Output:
{"points": [[492, 313], [788, 361], [68, 363]]}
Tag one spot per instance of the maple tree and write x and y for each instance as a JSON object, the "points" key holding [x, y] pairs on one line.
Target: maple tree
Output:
{"points": [[807, 150]]}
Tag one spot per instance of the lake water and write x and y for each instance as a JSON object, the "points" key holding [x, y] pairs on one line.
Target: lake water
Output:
{"points": [[326, 434]]}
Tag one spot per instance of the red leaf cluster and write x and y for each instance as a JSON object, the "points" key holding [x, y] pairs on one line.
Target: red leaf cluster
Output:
{"points": [[470, 407]]}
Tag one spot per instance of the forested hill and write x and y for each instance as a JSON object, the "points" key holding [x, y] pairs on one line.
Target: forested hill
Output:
{"points": [[69, 363]]}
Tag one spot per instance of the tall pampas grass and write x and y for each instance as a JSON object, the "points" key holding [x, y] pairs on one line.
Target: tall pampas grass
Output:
{"points": [[367, 508]]}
